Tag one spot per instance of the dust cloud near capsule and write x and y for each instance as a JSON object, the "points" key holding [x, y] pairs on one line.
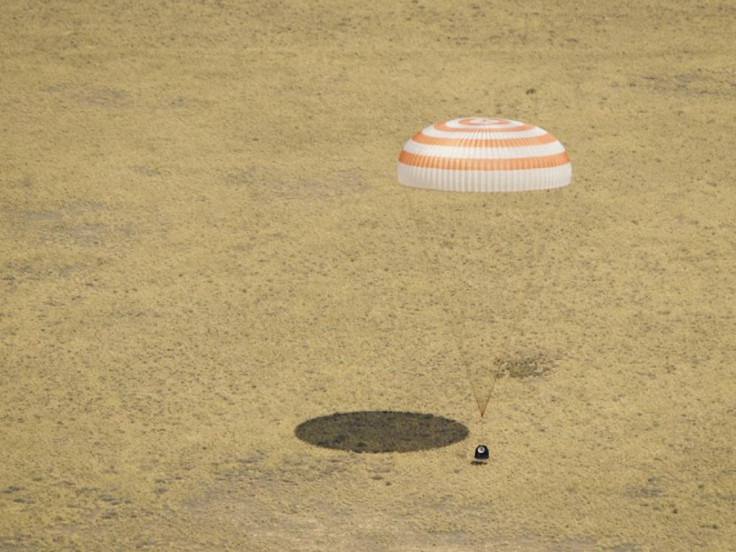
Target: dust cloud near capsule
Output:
{"points": [[484, 154]]}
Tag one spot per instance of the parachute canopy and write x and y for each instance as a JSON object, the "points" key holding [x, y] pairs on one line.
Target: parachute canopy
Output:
{"points": [[478, 154]]}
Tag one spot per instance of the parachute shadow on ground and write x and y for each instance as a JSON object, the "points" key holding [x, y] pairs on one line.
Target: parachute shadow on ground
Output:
{"points": [[381, 431]]}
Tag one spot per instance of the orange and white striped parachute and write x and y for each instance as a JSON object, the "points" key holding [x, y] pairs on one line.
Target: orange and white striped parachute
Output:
{"points": [[478, 154]]}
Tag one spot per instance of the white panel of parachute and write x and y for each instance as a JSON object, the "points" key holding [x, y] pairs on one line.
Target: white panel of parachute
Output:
{"points": [[478, 154]]}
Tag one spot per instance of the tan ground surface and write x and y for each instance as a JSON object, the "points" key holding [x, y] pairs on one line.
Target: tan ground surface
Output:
{"points": [[203, 244]]}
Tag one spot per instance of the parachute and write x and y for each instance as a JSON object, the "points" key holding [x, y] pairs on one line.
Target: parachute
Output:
{"points": [[484, 155], [487, 268]]}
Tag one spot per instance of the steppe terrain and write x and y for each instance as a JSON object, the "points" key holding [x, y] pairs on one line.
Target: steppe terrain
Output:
{"points": [[203, 246]]}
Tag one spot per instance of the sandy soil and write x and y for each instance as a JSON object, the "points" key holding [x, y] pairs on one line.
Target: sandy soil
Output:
{"points": [[203, 245]]}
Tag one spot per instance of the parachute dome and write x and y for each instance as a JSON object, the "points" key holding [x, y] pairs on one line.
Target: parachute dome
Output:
{"points": [[477, 154]]}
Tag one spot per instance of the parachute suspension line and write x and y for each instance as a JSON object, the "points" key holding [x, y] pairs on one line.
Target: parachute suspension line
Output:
{"points": [[452, 315]]}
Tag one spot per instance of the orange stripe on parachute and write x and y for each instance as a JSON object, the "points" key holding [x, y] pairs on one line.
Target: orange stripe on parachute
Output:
{"points": [[422, 138], [484, 128], [483, 121], [457, 164]]}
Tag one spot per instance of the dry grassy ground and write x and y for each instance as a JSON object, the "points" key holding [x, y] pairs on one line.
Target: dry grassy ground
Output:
{"points": [[203, 245]]}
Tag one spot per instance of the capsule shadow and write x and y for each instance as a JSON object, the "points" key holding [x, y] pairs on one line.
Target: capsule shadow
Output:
{"points": [[381, 431]]}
